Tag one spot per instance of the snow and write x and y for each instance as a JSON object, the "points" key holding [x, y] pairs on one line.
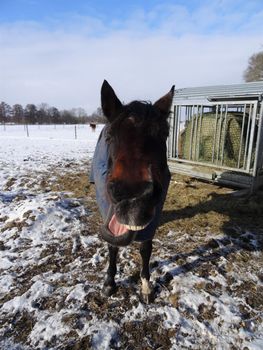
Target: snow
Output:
{"points": [[25, 301], [45, 147], [52, 268]]}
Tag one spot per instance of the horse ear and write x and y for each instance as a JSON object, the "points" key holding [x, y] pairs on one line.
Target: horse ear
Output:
{"points": [[165, 102], [110, 103]]}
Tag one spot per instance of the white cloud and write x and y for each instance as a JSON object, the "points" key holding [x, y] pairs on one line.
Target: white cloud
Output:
{"points": [[65, 66]]}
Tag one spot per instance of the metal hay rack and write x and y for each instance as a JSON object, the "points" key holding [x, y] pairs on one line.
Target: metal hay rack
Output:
{"points": [[216, 133]]}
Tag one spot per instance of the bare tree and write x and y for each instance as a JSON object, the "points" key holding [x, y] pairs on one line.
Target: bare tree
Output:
{"points": [[18, 113], [43, 116], [254, 71], [30, 114], [6, 113]]}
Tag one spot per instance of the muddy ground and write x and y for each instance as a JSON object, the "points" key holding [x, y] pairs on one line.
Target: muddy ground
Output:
{"points": [[206, 271]]}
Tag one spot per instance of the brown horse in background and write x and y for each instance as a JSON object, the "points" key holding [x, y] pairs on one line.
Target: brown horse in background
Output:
{"points": [[92, 126]]}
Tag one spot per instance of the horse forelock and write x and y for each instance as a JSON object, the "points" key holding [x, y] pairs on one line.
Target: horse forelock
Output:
{"points": [[142, 116]]}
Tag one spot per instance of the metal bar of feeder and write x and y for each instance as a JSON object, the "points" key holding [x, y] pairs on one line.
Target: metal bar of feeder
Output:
{"points": [[196, 132], [174, 132], [247, 136], [224, 135], [242, 136], [219, 136], [178, 130], [259, 144], [215, 132], [174, 135], [252, 135], [171, 133], [208, 165], [200, 129], [169, 140], [191, 134], [190, 113]]}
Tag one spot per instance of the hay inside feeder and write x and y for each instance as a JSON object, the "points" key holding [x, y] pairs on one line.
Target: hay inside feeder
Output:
{"points": [[215, 140]]}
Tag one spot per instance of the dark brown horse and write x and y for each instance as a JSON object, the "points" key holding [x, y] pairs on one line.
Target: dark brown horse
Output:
{"points": [[93, 126], [131, 176]]}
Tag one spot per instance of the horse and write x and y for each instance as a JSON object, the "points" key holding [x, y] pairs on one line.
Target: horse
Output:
{"points": [[131, 177], [92, 126]]}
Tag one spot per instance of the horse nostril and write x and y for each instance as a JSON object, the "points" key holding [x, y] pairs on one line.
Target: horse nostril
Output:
{"points": [[117, 190], [121, 190]]}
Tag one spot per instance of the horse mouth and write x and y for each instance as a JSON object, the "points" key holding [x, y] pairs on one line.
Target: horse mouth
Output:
{"points": [[118, 229], [119, 234]]}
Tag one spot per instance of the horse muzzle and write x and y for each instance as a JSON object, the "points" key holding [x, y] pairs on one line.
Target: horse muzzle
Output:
{"points": [[130, 213]]}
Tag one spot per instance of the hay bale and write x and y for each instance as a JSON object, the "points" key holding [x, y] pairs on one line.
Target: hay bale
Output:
{"points": [[197, 139]]}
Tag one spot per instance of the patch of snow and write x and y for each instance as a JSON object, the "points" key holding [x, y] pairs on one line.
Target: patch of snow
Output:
{"points": [[6, 282], [26, 301], [48, 327], [104, 333], [77, 293], [49, 266]]}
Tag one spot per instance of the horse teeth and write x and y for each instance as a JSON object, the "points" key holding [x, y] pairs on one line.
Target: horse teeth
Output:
{"points": [[135, 228]]}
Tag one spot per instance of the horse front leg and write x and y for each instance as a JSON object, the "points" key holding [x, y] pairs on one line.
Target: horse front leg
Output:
{"points": [[146, 251], [109, 284]]}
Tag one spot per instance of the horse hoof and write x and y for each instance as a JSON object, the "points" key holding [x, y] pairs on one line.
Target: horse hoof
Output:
{"points": [[109, 290], [146, 291], [147, 298]]}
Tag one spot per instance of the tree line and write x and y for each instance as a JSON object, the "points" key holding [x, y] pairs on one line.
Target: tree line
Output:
{"points": [[45, 114]]}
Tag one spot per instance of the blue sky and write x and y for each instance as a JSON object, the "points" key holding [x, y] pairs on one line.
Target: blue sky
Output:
{"points": [[44, 10], [223, 16], [59, 51]]}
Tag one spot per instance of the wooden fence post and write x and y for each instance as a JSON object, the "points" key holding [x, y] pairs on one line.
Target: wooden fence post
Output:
{"points": [[27, 132]]}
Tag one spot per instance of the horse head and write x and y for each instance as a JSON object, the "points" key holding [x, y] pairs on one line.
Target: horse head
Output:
{"points": [[137, 164]]}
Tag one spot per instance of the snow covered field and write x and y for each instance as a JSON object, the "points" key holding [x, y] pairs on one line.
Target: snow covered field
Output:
{"points": [[208, 287]]}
